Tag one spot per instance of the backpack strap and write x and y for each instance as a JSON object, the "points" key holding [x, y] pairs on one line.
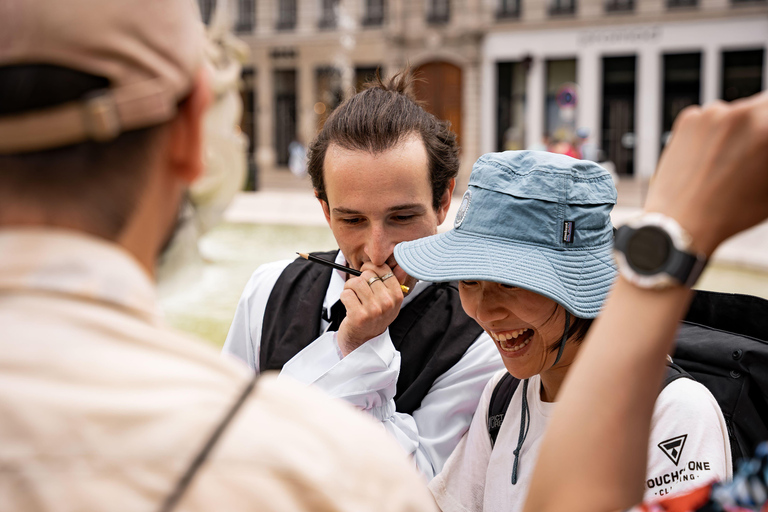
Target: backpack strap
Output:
{"points": [[674, 372], [172, 500], [497, 407]]}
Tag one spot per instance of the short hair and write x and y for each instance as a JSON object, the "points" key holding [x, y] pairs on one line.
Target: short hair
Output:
{"points": [[577, 330], [377, 119], [99, 184]]}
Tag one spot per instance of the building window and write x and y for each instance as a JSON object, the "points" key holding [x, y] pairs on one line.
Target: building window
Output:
{"points": [[439, 11], [329, 93], [245, 16], [618, 126], [742, 74], [508, 9], [206, 9], [561, 102], [329, 13], [286, 15], [682, 87], [285, 113], [671, 4], [619, 5], [374, 13], [562, 7], [248, 122], [363, 75], [510, 114]]}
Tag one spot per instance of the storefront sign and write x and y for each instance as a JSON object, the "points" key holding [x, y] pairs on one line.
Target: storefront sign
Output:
{"points": [[620, 36]]}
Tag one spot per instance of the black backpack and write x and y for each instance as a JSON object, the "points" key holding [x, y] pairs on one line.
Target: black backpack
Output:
{"points": [[722, 343]]}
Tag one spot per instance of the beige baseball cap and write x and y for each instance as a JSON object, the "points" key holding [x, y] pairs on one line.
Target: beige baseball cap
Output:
{"points": [[149, 50]]}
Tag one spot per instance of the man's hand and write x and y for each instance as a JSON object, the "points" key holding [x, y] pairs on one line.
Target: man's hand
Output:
{"points": [[370, 308], [713, 176]]}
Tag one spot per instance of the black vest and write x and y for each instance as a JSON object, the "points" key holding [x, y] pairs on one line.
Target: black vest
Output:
{"points": [[431, 333]]}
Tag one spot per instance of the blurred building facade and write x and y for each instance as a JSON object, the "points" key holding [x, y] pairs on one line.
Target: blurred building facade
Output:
{"points": [[606, 76]]}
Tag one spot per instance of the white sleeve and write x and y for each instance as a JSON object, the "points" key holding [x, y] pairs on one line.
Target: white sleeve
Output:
{"points": [[244, 337], [460, 486], [689, 444], [367, 378]]}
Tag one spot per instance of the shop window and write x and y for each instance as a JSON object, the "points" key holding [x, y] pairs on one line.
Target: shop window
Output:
{"points": [[364, 75], [248, 122], [562, 98], [619, 5], [285, 113], [682, 3], [682, 87], [742, 74], [510, 102], [329, 93], [562, 7], [618, 116], [508, 9], [206, 9]]}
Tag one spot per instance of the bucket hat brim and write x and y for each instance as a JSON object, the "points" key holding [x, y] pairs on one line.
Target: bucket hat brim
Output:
{"points": [[577, 279]]}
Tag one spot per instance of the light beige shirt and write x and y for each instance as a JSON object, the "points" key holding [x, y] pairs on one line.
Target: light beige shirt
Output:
{"points": [[102, 407]]}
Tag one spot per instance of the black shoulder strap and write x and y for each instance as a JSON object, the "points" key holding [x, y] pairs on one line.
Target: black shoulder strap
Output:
{"points": [[497, 407], [186, 479], [674, 372]]}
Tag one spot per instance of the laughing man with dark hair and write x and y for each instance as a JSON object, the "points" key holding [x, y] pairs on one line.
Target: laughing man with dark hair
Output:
{"points": [[383, 170]]}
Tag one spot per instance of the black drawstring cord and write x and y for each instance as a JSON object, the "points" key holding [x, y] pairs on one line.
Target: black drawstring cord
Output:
{"points": [[525, 415], [525, 423]]}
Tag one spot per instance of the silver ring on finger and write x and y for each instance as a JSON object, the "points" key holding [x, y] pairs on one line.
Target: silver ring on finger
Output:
{"points": [[373, 280], [387, 276]]}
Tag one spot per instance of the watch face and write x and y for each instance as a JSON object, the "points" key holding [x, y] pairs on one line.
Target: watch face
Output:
{"points": [[648, 250]]}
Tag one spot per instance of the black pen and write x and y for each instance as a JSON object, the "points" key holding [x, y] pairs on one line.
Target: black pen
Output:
{"points": [[335, 265]]}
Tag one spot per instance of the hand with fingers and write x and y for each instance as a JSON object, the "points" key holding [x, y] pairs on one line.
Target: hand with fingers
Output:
{"points": [[373, 302]]}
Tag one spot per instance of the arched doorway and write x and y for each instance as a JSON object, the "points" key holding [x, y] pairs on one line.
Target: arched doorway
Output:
{"points": [[439, 88]]}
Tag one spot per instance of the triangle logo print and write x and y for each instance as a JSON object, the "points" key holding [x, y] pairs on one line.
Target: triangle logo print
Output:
{"points": [[673, 448]]}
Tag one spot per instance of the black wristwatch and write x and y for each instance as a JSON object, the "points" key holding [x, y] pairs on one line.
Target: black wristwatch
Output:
{"points": [[653, 251]]}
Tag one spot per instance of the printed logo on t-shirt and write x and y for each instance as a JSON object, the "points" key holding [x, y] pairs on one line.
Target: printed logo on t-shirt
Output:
{"points": [[690, 471], [673, 448]]}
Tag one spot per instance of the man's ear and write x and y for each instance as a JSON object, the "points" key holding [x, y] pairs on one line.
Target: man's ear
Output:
{"points": [[445, 201], [325, 207], [185, 133]]}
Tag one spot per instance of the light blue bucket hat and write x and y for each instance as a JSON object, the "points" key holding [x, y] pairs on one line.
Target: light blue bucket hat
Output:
{"points": [[531, 219]]}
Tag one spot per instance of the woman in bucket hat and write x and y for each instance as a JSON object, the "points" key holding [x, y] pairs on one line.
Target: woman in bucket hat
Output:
{"points": [[532, 251]]}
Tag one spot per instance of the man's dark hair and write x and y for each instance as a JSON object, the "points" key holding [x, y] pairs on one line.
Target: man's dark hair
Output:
{"points": [[92, 186], [377, 119]]}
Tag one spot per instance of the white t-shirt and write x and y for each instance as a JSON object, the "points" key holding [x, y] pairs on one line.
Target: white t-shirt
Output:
{"points": [[688, 447]]}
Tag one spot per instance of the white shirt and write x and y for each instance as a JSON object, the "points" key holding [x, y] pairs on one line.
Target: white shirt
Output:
{"points": [[478, 478], [102, 407], [367, 377]]}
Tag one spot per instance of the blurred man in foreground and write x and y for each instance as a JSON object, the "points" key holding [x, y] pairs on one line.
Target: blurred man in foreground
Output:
{"points": [[103, 408]]}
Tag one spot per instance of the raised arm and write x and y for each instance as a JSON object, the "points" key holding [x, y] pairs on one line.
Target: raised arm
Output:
{"points": [[713, 180]]}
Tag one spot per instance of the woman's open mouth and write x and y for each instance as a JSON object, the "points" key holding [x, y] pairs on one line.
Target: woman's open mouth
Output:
{"points": [[512, 341]]}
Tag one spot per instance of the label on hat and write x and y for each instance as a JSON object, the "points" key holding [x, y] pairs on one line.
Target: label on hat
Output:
{"points": [[463, 207], [568, 231]]}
